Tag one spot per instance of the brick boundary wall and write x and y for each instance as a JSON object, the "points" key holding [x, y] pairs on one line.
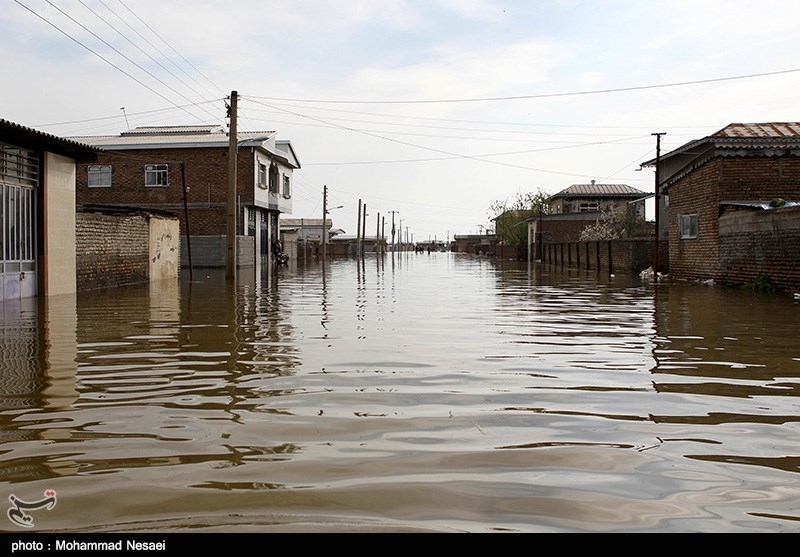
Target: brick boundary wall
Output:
{"points": [[111, 250], [759, 245]]}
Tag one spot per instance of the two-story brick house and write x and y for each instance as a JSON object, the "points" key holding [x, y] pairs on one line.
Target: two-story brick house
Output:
{"points": [[184, 169], [721, 193]]}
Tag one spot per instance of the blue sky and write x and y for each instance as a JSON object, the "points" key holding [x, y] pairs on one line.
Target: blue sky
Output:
{"points": [[435, 109]]}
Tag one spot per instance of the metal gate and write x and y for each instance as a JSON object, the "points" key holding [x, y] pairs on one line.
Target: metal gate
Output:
{"points": [[19, 176]]}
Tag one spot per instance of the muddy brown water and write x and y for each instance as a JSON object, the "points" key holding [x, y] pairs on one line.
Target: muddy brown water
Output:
{"points": [[410, 393]]}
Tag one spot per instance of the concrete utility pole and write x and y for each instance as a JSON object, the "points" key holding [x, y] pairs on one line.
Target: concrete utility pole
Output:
{"points": [[658, 203], [324, 234], [230, 261]]}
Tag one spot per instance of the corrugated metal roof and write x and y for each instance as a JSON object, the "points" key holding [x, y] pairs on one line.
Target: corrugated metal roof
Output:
{"points": [[599, 190], [170, 139], [769, 138], [772, 129], [164, 130], [28, 137]]}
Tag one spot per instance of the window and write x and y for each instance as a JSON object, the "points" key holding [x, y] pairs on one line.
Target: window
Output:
{"points": [[273, 178], [18, 166], [589, 206], [262, 176], [688, 224], [100, 176], [156, 175], [287, 192]]}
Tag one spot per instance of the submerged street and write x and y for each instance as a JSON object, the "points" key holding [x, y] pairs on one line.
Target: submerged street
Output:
{"points": [[437, 392]]}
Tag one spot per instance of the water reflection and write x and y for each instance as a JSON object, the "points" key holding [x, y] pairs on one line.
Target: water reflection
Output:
{"points": [[407, 392]]}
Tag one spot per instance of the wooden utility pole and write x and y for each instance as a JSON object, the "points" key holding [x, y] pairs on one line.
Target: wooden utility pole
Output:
{"points": [[378, 234], [364, 230], [358, 230], [324, 235], [393, 230], [230, 262], [186, 218], [658, 204]]}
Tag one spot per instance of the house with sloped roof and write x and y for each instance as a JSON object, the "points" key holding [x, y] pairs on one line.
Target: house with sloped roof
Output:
{"points": [[594, 197], [185, 170], [731, 204]]}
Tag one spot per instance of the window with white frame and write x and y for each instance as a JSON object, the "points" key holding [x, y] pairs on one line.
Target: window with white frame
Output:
{"points": [[99, 176], [287, 192], [688, 226], [262, 175], [589, 206], [156, 175]]}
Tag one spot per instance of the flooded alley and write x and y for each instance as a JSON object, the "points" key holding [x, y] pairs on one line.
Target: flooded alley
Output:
{"points": [[437, 392]]}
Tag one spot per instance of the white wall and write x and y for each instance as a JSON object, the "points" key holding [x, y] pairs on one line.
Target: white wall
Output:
{"points": [[59, 271]]}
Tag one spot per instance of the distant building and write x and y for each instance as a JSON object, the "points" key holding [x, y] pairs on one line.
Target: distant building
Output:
{"points": [[594, 197], [184, 170], [309, 230]]}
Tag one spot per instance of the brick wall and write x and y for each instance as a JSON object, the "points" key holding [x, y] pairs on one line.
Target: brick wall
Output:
{"points": [[205, 175], [112, 250], [757, 245], [696, 258], [722, 179]]}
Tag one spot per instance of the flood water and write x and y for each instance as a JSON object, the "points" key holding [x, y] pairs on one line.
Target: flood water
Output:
{"points": [[410, 393]]}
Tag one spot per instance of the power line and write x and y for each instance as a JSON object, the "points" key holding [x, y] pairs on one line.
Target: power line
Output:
{"points": [[57, 28], [121, 54], [506, 153], [169, 45], [450, 154], [538, 96], [140, 49]]}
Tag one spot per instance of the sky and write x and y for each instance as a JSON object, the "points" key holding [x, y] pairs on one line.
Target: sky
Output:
{"points": [[433, 113]]}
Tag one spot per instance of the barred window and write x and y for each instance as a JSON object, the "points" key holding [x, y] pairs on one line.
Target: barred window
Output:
{"points": [[100, 176]]}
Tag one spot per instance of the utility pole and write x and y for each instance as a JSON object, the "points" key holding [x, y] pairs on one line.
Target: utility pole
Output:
{"points": [[378, 234], [658, 203], [230, 262], [364, 230], [324, 235], [358, 230], [393, 212]]}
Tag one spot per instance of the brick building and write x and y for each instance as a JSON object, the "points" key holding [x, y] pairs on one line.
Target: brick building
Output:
{"points": [[184, 170], [742, 167]]}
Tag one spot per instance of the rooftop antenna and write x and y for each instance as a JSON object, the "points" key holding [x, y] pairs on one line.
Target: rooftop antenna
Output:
{"points": [[126, 118]]}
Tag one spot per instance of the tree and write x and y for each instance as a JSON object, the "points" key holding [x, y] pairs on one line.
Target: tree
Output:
{"points": [[510, 217]]}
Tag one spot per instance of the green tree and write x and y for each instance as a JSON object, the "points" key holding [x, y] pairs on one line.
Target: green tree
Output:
{"points": [[510, 216]]}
